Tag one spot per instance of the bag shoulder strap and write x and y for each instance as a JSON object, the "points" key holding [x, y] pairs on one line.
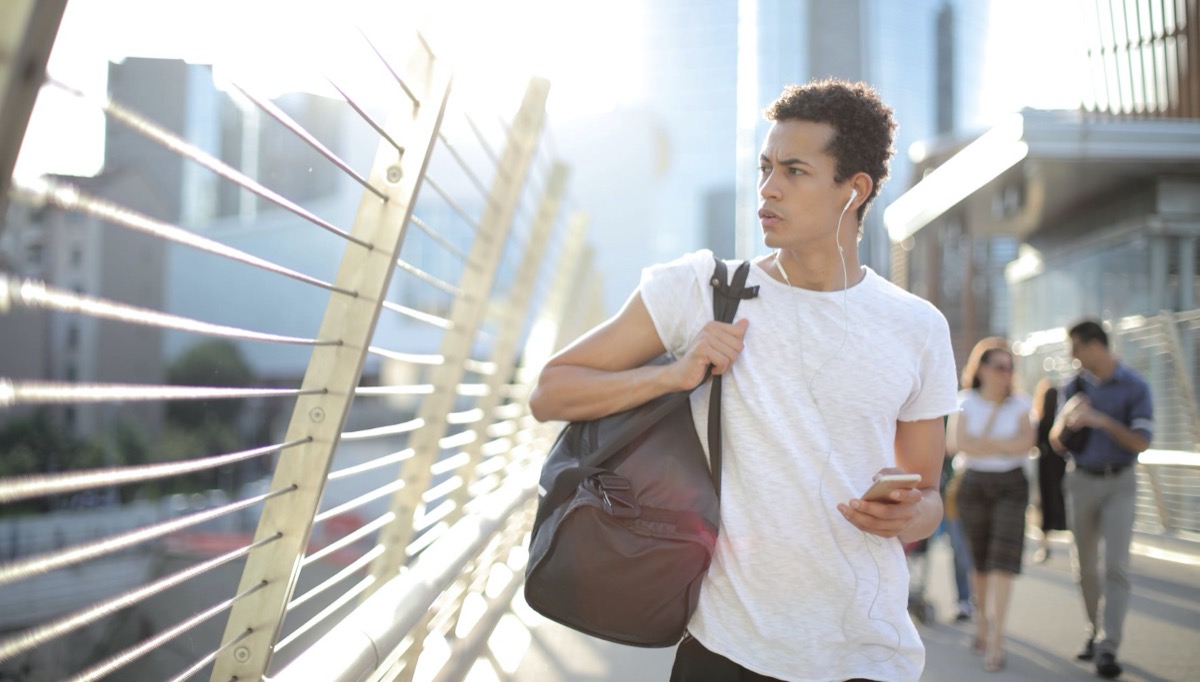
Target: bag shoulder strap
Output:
{"points": [[725, 303], [991, 421], [726, 298]]}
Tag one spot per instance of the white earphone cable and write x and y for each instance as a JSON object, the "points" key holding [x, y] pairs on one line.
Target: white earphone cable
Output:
{"points": [[867, 539]]}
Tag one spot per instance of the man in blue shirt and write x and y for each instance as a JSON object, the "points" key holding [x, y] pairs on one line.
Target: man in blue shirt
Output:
{"points": [[1111, 403]]}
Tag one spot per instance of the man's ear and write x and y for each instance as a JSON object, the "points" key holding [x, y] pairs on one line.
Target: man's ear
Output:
{"points": [[861, 184]]}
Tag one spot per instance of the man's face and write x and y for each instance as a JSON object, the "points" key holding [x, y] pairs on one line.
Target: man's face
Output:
{"points": [[799, 202], [1083, 352]]}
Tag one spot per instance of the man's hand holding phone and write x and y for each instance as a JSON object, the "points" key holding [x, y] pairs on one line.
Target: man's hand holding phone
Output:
{"points": [[881, 489], [887, 506]]}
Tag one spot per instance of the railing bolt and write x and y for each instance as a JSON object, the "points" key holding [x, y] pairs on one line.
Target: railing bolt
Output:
{"points": [[316, 414], [241, 654], [393, 174]]}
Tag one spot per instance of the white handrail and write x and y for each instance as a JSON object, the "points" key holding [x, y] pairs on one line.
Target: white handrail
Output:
{"points": [[1181, 458], [362, 641]]}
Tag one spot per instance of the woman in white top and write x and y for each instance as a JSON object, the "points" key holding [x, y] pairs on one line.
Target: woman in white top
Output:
{"points": [[993, 433]]}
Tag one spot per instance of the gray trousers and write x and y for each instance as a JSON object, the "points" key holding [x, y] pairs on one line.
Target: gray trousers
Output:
{"points": [[1102, 507]]}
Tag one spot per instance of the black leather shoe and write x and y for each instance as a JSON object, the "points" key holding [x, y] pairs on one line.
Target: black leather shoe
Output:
{"points": [[1088, 653], [1107, 666]]}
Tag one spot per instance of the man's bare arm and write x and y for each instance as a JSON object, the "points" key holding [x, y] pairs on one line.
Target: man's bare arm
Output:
{"points": [[919, 448], [911, 514], [602, 373], [1061, 422], [1056, 431], [1019, 444], [1079, 413]]}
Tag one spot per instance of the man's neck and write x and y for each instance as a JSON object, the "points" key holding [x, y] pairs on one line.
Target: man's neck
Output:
{"points": [[816, 271], [1106, 367]]}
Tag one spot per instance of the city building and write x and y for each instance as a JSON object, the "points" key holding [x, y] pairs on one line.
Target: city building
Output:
{"points": [[926, 59], [83, 254], [674, 170], [656, 175], [91, 257], [1053, 215]]}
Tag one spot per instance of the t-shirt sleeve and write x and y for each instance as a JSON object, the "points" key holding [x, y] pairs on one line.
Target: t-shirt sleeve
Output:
{"points": [[674, 298], [936, 391], [963, 396], [1141, 412]]}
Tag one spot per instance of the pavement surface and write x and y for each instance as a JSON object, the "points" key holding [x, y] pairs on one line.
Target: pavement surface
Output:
{"points": [[1046, 629]]}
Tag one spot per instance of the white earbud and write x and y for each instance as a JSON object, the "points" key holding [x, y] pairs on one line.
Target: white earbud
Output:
{"points": [[853, 196]]}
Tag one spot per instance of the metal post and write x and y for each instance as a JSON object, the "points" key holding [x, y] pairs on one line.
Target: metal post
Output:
{"points": [[547, 335], [27, 32], [551, 329], [580, 314], [1187, 299], [465, 316], [334, 370], [513, 312], [1159, 273], [1160, 503]]}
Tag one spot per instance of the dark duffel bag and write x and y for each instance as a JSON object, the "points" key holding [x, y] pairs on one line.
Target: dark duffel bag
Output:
{"points": [[628, 518]]}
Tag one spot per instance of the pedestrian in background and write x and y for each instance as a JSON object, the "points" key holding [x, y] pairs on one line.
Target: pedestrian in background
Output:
{"points": [[994, 433], [1111, 404], [952, 526], [1050, 469]]}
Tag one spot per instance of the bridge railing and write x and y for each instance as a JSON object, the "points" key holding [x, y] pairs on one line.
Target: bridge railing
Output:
{"points": [[346, 369], [1162, 348]]}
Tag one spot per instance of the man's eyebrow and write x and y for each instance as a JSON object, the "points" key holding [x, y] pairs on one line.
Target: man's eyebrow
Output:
{"points": [[785, 162]]}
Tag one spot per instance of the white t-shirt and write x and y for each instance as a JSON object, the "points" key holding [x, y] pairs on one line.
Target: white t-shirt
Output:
{"points": [[794, 590], [976, 411]]}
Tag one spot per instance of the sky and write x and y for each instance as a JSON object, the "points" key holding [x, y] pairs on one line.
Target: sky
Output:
{"points": [[274, 46], [277, 46], [1036, 55]]}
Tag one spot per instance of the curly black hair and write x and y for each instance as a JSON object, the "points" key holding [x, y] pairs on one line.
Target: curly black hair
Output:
{"points": [[864, 128]]}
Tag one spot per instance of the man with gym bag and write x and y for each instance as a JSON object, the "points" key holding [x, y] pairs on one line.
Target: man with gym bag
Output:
{"points": [[832, 376]]}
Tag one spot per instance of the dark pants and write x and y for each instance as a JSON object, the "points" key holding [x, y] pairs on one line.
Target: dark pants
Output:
{"points": [[694, 663], [991, 506]]}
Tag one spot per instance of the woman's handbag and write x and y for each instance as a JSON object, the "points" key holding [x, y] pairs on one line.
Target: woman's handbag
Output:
{"points": [[628, 519], [950, 495]]}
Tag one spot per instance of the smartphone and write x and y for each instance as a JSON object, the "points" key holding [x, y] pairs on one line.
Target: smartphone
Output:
{"points": [[885, 484]]}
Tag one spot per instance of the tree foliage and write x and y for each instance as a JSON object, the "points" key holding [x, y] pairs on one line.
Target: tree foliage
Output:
{"points": [[37, 444], [216, 363]]}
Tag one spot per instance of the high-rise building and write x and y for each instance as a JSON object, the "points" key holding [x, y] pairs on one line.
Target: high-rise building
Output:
{"points": [[925, 58], [1053, 215], [675, 170], [656, 175], [83, 254]]}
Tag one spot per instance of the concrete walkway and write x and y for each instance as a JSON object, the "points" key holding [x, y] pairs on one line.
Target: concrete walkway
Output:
{"points": [[1045, 631]]}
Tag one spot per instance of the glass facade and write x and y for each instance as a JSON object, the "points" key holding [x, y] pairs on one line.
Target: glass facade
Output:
{"points": [[1103, 220], [964, 276], [1140, 58], [1109, 282]]}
